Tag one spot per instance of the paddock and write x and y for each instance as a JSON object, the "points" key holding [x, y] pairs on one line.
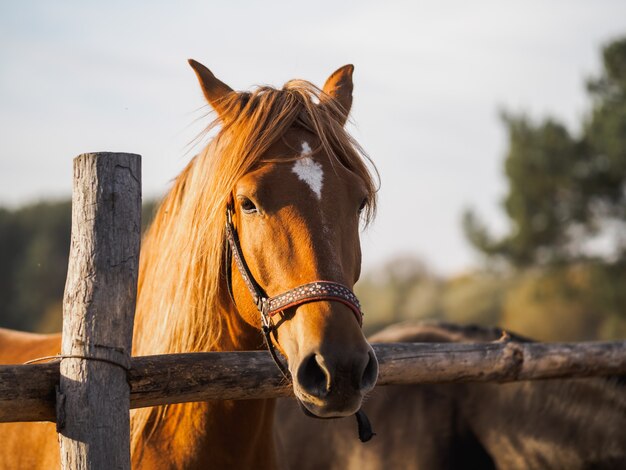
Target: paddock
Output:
{"points": [[89, 388]]}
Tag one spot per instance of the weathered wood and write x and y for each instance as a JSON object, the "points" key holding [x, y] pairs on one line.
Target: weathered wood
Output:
{"points": [[98, 311], [26, 392], [509, 361]]}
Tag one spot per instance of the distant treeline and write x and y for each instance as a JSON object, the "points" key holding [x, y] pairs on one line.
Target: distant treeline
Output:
{"points": [[34, 249], [572, 302]]}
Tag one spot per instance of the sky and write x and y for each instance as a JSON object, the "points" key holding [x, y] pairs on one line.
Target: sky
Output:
{"points": [[430, 80]]}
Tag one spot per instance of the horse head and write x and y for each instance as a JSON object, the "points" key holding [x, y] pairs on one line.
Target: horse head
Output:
{"points": [[295, 212]]}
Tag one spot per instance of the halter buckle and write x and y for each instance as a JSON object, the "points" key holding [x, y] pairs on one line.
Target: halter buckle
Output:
{"points": [[229, 215], [263, 305]]}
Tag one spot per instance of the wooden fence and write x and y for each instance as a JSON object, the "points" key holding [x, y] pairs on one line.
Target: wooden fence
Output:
{"points": [[89, 392]]}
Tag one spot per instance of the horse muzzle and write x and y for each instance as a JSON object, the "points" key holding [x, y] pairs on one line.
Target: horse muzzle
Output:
{"points": [[332, 385]]}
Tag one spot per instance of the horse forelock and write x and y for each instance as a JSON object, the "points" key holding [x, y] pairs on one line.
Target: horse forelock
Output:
{"points": [[181, 299]]}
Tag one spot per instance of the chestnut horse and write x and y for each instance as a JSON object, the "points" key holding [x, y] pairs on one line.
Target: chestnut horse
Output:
{"points": [[297, 188], [544, 425]]}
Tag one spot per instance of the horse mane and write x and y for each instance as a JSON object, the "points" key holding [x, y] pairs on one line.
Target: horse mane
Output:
{"points": [[181, 298]]}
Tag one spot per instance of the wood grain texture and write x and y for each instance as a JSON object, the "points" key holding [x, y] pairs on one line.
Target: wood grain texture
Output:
{"points": [[27, 392], [98, 312]]}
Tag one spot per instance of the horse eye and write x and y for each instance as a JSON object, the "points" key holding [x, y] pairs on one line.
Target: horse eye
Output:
{"points": [[362, 206], [247, 206]]}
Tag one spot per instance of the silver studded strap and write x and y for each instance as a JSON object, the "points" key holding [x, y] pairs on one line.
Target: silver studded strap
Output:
{"points": [[313, 292]]}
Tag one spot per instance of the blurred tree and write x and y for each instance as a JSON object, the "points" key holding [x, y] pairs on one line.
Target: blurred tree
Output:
{"points": [[574, 302], [565, 191], [34, 248], [39, 274], [475, 297], [11, 244], [400, 289]]}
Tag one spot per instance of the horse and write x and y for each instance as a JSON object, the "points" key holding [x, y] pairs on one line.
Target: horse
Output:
{"points": [[549, 424], [259, 233]]}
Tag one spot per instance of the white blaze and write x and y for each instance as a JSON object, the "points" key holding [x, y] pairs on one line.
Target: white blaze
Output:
{"points": [[309, 170]]}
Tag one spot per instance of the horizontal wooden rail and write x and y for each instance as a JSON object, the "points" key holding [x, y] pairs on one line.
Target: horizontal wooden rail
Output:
{"points": [[27, 392]]}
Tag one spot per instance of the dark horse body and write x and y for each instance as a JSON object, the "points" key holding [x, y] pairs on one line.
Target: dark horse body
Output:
{"points": [[554, 424]]}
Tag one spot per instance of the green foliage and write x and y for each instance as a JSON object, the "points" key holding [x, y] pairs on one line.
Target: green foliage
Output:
{"points": [[35, 242], [605, 133], [570, 302], [34, 248], [404, 289], [575, 302], [564, 191], [562, 188], [474, 298], [401, 289]]}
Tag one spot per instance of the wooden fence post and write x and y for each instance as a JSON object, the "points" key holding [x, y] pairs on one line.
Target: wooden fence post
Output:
{"points": [[98, 310]]}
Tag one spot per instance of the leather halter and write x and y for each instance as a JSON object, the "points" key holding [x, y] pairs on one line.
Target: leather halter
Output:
{"points": [[269, 306]]}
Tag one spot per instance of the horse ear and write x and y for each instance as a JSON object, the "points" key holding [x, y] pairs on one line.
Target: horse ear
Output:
{"points": [[214, 90], [339, 87]]}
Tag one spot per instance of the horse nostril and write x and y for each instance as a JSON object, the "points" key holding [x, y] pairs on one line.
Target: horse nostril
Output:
{"points": [[313, 376], [370, 374]]}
